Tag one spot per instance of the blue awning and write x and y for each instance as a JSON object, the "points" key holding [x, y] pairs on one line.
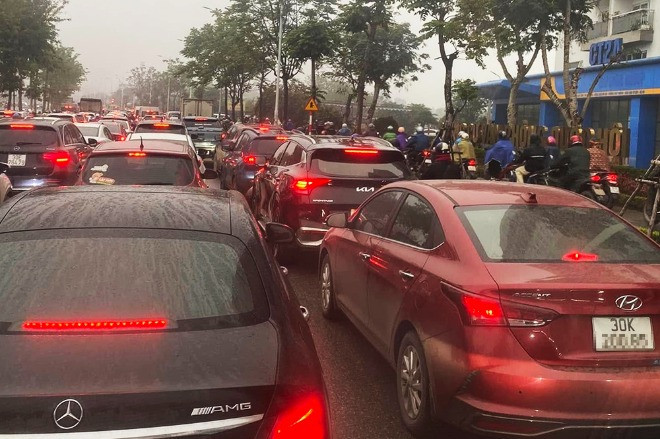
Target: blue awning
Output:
{"points": [[499, 90]]}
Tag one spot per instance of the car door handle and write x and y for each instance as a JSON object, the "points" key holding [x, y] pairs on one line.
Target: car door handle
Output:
{"points": [[364, 256], [406, 275]]}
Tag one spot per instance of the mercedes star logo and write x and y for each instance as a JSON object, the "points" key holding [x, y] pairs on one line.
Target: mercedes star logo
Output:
{"points": [[68, 414], [629, 303], [17, 148]]}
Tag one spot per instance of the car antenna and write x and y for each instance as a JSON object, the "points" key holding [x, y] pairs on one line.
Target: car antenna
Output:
{"points": [[141, 144]]}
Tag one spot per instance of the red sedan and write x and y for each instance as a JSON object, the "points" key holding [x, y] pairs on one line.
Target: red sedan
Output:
{"points": [[505, 309]]}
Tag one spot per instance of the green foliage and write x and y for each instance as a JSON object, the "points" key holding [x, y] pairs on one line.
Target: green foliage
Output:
{"points": [[383, 122], [469, 106], [64, 77], [313, 40]]}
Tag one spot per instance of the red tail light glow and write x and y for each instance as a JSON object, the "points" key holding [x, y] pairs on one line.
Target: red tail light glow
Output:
{"points": [[613, 178], [472, 162], [305, 186], [595, 178], [264, 128], [250, 160], [426, 153], [201, 119], [137, 154], [362, 151], [483, 311], [121, 138], [60, 158], [95, 325], [161, 125], [578, 256], [21, 126], [282, 138], [304, 420]]}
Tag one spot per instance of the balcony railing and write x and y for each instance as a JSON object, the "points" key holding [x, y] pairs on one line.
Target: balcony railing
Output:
{"points": [[599, 30], [641, 19]]}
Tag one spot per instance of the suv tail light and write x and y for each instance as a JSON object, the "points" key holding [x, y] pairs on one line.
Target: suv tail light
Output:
{"points": [[21, 126], [305, 186], [303, 420], [361, 151], [249, 159], [478, 310], [59, 158]]}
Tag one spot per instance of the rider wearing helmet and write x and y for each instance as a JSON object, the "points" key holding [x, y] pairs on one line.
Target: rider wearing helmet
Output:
{"points": [[420, 141], [532, 159], [465, 147], [401, 139], [502, 151], [371, 132], [574, 164], [552, 151], [344, 130], [390, 135]]}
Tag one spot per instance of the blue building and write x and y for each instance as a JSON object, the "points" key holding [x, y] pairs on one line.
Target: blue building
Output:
{"points": [[628, 93]]}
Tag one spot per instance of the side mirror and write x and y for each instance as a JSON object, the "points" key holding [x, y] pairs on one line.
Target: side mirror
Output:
{"points": [[194, 136], [229, 146], [210, 174], [337, 220], [93, 143], [277, 233]]}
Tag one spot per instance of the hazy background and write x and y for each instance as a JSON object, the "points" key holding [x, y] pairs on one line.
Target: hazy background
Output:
{"points": [[113, 37]]}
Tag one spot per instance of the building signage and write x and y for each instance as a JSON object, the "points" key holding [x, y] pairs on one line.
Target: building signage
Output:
{"points": [[601, 53]]}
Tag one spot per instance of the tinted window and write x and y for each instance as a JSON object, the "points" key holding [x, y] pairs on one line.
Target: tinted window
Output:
{"points": [[293, 155], [69, 136], [107, 133], [77, 135], [375, 216], [205, 123], [265, 147], [173, 275], [279, 154], [417, 224], [549, 233], [160, 128], [89, 131], [340, 163], [242, 142], [150, 170], [36, 136], [114, 128]]}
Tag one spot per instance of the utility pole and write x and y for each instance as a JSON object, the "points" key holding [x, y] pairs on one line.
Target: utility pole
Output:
{"points": [[169, 88], [276, 116]]}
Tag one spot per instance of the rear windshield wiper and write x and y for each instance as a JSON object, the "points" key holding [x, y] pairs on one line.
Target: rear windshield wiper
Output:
{"points": [[28, 143]]}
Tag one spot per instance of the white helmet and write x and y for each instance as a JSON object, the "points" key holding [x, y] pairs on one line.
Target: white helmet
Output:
{"points": [[463, 135], [420, 129], [444, 146], [390, 128]]}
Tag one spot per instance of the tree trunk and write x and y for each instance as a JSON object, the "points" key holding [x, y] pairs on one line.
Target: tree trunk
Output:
{"points": [[314, 78], [242, 103], [9, 93], [512, 108], [20, 99], [262, 80], [226, 100], [449, 102], [285, 98], [347, 107], [362, 78], [374, 102]]}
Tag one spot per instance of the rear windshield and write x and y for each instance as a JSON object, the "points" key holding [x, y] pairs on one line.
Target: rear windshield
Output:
{"points": [[161, 128], [170, 275], [114, 128], [205, 123], [89, 131], [552, 233], [343, 163], [36, 136], [153, 169], [265, 147]]}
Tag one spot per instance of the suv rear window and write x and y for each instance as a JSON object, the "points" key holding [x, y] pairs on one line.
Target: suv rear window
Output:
{"points": [[343, 163], [551, 233], [265, 147], [172, 275], [154, 169], [202, 123], [34, 136], [160, 128]]}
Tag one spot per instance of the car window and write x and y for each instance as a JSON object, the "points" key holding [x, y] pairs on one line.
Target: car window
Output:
{"points": [[78, 135], [264, 147], [107, 133], [352, 163], [89, 131], [277, 157], [375, 215], [152, 169], [69, 138], [45, 136], [242, 142], [293, 155], [417, 224]]}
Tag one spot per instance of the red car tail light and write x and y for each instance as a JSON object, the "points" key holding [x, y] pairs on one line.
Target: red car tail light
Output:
{"points": [[59, 158], [613, 178], [483, 311], [21, 126], [304, 420], [201, 119], [121, 138], [249, 160], [281, 138], [137, 154], [306, 185], [361, 151], [578, 256], [519, 315], [161, 125], [94, 325]]}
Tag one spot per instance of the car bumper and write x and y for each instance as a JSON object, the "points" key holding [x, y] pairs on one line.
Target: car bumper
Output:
{"points": [[22, 184]]}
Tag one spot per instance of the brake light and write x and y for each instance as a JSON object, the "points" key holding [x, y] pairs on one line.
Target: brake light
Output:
{"points": [[304, 420], [612, 178], [95, 325], [577, 256], [305, 186], [201, 119], [223, 136], [483, 311], [281, 138], [426, 153], [264, 128], [161, 125], [60, 158], [122, 138], [137, 154], [361, 151], [250, 160], [472, 162], [21, 126], [595, 178]]}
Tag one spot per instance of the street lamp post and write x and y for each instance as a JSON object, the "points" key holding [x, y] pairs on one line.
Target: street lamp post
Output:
{"points": [[169, 88], [279, 65]]}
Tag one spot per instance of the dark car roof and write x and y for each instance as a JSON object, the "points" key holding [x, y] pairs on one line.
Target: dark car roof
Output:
{"points": [[145, 207], [478, 193], [160, 146]]}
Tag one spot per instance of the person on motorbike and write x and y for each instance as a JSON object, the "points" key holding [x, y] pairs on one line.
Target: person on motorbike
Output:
{"points": [[574, 164], [532, 159], [401, 139], [501, 152], [389, 135], [371, 132], [465, 147], [552, 151], [440, 161], [598, 159], [416, 144], [344, 130]]}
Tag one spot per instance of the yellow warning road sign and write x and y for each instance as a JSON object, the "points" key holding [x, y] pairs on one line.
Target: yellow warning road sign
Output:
{"points": [[312, 105]]}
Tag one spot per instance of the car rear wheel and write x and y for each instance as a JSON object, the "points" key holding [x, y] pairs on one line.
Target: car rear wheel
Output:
{"points": [[413, 385], [328, 301]]}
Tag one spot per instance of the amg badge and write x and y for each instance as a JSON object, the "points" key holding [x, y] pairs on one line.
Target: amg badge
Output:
{"points": [[227, 408]]}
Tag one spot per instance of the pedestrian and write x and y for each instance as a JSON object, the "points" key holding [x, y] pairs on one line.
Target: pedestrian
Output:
{"points": [[344, 130], [289, 125], [552, 151], [401, 139], [390, 135], [599, 161], [532, 159], [371, 131]]}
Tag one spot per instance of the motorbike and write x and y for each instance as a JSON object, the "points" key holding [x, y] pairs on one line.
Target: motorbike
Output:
{"points": [[592, 188], [609, 182], [418, 162]]}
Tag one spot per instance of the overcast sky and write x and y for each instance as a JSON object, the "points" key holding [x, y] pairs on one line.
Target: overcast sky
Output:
{"points": [[113, 37]]}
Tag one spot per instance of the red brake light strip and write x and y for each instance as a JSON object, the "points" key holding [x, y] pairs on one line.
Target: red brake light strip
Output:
{"points": [[95, 325], [137, 154], [361, 151], [21, 126]]}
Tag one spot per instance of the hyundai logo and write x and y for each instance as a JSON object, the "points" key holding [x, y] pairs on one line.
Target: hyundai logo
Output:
{"points": [[629, 303], [68, 414]]}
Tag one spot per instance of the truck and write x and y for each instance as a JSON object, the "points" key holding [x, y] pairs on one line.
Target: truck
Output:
{"points": [[91, 105], [142, 110], [196, 107]]}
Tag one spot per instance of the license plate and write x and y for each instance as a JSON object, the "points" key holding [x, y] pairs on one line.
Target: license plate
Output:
{"points": [[618, 334], [472, 168], [614, 189], [598, 190], [427, 161], [16, 159]]}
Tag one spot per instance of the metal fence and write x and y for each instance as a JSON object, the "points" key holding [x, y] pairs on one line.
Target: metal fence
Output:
{"points": [[600, 30], [641, 19]]}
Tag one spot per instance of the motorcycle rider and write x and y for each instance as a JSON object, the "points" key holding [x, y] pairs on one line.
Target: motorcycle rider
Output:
{"points": [[401, 139], [440, 161], [371, 132], [552, 151], [599, 161], [574, 164], [465, 147], [501, 152], [416, 144], [344, 130], [532, 159], [389, 135]]}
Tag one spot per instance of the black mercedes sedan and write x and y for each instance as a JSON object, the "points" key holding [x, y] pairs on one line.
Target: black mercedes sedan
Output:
{"points": [[150, 312]]}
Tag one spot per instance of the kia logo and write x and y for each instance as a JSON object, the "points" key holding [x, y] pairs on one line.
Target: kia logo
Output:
{"points": [[629, 303], [366, 189]]}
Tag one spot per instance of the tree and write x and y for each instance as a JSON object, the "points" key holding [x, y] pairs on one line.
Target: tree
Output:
{"points": [[452, 23], [141, 80], [344, 70], [64, 77], [418, 114], [470, 106]]}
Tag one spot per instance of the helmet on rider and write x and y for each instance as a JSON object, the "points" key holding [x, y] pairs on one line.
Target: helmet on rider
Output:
{"points": [[372, 125], [420, 129], [551, 141], [576, 140], [390, 128], [502, 135], [463, 135]]}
